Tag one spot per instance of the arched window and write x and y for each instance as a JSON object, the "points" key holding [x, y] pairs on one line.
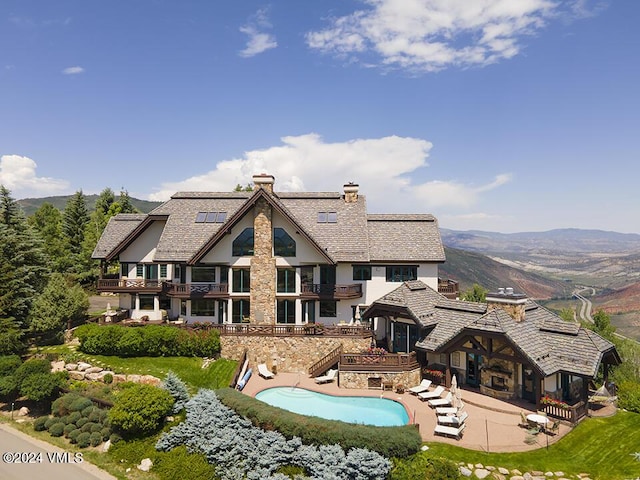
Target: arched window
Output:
{"points": [[283, 244], [243, 244]]}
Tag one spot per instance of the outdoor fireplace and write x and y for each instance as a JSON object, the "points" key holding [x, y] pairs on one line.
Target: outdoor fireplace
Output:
{"points": [[498, 383]]}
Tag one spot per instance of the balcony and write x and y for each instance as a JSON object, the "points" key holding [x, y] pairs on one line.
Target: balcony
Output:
{"points": [[284, 330], [318, 291], [197, 290], [129, 285], [389, 362]]}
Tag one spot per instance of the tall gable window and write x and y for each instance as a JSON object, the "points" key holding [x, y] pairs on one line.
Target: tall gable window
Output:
{"points": [[241, 280], [211, 217], [402, 273], [283, 244], [362, 272], [327, 217], [243, 244]]}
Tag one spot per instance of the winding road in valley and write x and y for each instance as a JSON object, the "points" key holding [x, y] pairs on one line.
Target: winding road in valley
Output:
{"points": [[585, 310]]}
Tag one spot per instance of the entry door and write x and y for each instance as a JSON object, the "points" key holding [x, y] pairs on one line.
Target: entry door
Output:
{"points": [[473, 369], [528, 385]]}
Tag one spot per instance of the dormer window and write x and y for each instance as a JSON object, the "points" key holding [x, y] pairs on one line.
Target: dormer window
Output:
{"points": [[211, 217], [327, 217]]}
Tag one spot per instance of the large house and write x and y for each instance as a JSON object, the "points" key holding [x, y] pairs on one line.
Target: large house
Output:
{"points": [[292, 266], [264, 257]]}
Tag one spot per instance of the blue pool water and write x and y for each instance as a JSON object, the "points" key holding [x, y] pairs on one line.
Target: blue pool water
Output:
{"points": [[377, 411]]}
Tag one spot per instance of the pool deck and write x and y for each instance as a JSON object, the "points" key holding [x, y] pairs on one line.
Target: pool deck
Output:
{"points": [[492, 424]]}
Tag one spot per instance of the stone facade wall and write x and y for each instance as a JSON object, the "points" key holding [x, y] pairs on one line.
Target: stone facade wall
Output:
{"points": [[407, 379], [263, 267], [287, 354], [516, 311]]}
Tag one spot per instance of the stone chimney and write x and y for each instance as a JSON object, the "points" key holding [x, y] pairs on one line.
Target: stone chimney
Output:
{"points": [[264, 181], [351, 192], [510, 302]]}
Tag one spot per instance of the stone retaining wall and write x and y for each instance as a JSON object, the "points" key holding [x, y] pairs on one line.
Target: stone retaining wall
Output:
{"points": [[287, 354], [362, 379]]}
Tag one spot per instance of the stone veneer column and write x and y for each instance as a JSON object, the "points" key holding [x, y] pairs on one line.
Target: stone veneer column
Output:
{"points": [[263, 266]]}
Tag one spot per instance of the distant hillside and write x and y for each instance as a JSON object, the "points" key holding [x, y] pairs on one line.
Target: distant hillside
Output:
{"points": [[468, 268], [30, 205], [568, 240], [620, 301]]}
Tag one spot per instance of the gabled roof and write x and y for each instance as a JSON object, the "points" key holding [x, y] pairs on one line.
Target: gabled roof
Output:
{"points": [[548, 342], [355, 237]]}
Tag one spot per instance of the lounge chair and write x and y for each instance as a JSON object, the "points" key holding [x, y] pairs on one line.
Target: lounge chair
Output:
{"points": [[439, 390], [447, 410], [455, 432], [453, 421], [524, 423], [423, 387], [441, 402], [264, 372], [329, 377]]}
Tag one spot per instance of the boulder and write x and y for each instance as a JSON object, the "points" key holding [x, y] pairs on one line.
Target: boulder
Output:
{"points": [[82, 366], [76, 375], [465, 472], [482, 473], [94, 377], [57, 366], [23, 412], [150, 380], [106, 446], [119, 378], [71, 366], [145, 465], [94, 370]]}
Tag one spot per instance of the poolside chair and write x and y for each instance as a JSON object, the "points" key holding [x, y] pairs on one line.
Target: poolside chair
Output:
{"points": [[441, 402], [329, 377], [524, 423], [422, 387], [447, 410], [451, 420], [455, 432], [264, 372], [439, 390], [554, 428]]}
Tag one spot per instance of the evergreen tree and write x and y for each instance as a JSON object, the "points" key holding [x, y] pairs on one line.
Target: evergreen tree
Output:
{"points": [[125, 203], [104, 201], [60, 302], [75, 220], [10, 212], [475, 294], [178, 390], [47, 222]]}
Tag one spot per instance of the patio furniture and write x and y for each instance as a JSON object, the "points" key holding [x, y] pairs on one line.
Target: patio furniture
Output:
{"points": [[439, 390], [538, 421], [422, 387], [447, 410], [329, 377], [455, 432], [264, 372], [554, 428], [441, 402], [524, 423], [453, 421]]}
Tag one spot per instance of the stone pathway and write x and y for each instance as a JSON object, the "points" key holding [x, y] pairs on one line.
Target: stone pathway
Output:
{"points": [[481, 471]]}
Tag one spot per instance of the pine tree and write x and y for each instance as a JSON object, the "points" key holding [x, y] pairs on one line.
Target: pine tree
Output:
{"points": [[47, 223], [75, 220], [178, 390]]}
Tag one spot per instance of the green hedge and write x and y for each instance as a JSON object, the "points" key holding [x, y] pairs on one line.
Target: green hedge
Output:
{"points": [[387, 441], [147, 341]]}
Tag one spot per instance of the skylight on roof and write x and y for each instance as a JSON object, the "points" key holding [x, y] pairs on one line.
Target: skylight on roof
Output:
{"points": [[327, 217], [211, 217]]}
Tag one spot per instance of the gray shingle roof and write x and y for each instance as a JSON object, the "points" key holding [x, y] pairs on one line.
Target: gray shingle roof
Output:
{"points": [[355, 237], [542, 337], [118, 228]]}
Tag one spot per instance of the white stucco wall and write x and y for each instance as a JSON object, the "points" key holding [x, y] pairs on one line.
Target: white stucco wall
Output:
{"points": [[144, 248]]}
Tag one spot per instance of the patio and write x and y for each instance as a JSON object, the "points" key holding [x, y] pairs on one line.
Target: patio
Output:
{"points": [[492, 424]]}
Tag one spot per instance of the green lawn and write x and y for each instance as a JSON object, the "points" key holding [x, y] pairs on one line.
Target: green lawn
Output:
{"points": [[602, 447], [189, 369]]}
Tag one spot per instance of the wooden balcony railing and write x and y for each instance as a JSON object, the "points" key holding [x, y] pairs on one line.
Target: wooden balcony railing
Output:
{"points": [[572, 414], [129, 285], [197, 290], [389, 362], [329, 360], [279, 330], [316, 290]]}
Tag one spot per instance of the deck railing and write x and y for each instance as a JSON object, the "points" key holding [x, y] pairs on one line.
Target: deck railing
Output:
{"points": [[316, 290], [129, 284], [279, 330], [188, 290], [572, 414], [389, 362], [325, 362]]}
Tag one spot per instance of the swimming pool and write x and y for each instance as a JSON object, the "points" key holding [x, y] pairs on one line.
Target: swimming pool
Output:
{"points": [[381, 412]]}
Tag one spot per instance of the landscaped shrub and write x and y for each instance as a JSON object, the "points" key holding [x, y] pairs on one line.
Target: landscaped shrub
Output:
{"points": [[178, 390], [82, 422], [173, 465], [150, 340], [106, 433], [68, 428], [60, 406], [87, 427], [73, 435], [50, 421], [87, 411], [115, 438], [388, 441], [56, 429], [40, 386], [108, 378], [237, 448], [39, 424], [421, 465], [79, 404], [9, 364], [629, 396], [140, 409], [73, 417], [84, 439], [95, 439]]}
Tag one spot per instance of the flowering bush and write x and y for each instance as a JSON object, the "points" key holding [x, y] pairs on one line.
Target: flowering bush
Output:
{"points": [[546, 400], [434, 373], [375, 351]]}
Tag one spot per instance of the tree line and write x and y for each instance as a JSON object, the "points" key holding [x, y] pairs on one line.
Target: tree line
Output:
{"points": [[46, 268]]}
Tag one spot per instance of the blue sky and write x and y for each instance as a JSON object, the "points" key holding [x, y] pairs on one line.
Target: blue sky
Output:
{"points": [[496, 115]]}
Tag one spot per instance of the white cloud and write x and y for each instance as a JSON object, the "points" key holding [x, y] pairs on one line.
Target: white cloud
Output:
{"points": [[386, 169], [258, 41], [430, 35], [18, 174], [73, 70]]}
